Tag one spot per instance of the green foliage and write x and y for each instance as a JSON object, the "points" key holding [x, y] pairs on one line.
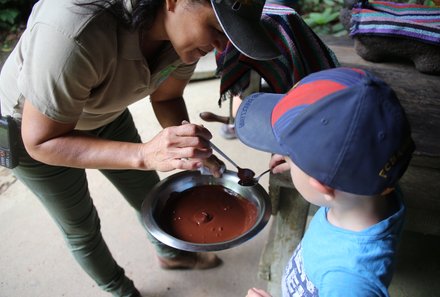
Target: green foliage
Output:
{"points": [[323, 16], [425, 2], [8, 14], [13, 13]]}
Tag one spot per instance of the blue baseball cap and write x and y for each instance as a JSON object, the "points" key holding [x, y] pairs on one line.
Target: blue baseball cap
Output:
{"points": [[343, 126]]}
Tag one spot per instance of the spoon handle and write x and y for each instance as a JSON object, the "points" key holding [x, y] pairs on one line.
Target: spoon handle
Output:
{"points": [[214, 147], [258, 177]]}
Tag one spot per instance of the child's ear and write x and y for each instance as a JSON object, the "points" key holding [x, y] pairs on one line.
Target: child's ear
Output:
{"points": [[328, 192]]}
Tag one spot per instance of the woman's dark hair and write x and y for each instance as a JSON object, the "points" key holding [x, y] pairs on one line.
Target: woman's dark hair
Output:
{"points": [[143, 12]]}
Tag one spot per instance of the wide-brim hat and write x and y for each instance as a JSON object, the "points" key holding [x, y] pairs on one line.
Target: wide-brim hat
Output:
{"points": [[241, 22]]}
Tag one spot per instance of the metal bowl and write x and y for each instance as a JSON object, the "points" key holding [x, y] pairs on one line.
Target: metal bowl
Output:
{"points": [[157, 198]]}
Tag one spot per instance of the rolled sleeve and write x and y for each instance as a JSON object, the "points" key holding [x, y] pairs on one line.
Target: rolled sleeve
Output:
{"points": [[57, 74]]}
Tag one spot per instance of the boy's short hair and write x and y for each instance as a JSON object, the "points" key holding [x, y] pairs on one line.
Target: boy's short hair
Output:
{"points": [[343, 126]]}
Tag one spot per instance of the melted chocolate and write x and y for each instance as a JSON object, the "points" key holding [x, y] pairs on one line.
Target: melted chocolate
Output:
{"points": [[246, 177], [207, 214]]}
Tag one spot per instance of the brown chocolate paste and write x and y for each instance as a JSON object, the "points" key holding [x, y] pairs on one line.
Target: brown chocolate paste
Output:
{"points": [[207, 214], [246, 177]]}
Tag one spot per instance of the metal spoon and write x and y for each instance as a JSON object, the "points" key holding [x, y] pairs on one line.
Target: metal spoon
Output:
{"points": [[244, 174], [263, 173], [252, 181]]}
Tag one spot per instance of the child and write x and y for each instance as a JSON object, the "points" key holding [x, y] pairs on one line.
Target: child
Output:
{"points": [[346, 140]]}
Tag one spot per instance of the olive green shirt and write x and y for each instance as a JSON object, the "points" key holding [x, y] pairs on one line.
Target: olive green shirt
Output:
{"points": [[73, 65]]}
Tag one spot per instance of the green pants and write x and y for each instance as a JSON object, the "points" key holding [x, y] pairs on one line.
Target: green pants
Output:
{"points": [[65, 194]]}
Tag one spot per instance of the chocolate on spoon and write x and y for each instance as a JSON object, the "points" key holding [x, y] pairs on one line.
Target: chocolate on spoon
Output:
{"points": [[245, 175], [250, 181]]}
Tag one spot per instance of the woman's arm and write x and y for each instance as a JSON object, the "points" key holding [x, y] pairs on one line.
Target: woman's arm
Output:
{"points": [[56, 143], [170, 110], [168, 104]]}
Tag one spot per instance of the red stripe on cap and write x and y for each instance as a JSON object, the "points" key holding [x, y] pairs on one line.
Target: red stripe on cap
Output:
{"points": [[305, 94], [360, 71]]}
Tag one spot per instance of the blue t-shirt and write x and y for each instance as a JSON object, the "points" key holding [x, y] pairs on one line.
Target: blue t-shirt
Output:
{"points": [[331, 261]]}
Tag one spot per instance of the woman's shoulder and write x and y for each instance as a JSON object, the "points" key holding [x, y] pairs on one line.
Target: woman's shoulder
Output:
{"points": [[71, 20]]}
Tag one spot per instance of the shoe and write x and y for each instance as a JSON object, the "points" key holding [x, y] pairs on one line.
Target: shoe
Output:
{"points": [[188, 260], [227, 131]]}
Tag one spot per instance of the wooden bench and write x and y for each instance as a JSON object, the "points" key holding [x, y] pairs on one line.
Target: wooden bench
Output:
{"points": [[420, 96]]}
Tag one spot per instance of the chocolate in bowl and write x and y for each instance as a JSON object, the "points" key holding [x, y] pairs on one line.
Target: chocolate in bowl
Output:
{"points": [[250, 204], [207, 214]]}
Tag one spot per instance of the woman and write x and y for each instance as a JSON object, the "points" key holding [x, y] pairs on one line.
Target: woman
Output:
{"points": [[68, 83]]}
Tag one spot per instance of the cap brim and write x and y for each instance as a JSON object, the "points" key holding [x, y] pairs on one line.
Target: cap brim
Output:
{"points": [[253, 122], [247, 37]]}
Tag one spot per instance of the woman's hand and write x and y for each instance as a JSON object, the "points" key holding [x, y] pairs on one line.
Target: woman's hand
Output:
{"points": [[215, 166], [179, 147], [278, 164], [254, 292]]}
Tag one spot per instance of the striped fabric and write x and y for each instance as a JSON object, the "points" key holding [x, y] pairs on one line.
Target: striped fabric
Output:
{"points": [[418, 22], [302, 50]]}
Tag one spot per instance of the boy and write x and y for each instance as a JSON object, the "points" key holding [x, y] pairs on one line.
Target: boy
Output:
{"points": [[346, 140]]}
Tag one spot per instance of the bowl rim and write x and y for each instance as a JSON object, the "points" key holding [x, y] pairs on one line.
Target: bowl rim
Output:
{"points": [[260, 199]]}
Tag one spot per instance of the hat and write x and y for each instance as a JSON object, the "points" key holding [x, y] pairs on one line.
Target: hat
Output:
{"points": [[241, 22], [342, 126]]}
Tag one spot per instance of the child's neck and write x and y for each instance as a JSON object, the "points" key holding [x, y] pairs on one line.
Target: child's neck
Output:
{"points": [[361, 214]]}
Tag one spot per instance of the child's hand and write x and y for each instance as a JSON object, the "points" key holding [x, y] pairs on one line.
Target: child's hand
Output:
{"points": [[254, 292], [278, 164]]}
